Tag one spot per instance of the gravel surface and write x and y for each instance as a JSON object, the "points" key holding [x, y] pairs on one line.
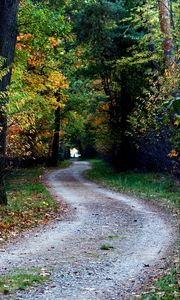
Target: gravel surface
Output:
{"points": [[71, 250]]}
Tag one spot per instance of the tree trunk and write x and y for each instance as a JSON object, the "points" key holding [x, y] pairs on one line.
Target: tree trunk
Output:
{"points": [[55, 144], [165, 25], [8, 33], [124, 150]]}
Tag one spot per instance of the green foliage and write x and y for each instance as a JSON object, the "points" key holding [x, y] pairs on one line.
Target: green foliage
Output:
{"points": [[174, 107], [112, 84], [166, 288], [97, 22], [3, 71], [37, 79]]}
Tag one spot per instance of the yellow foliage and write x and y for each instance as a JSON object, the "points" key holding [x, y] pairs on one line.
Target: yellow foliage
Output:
{"points": [[57, 81], [105, 107], [173, 153], [100, 120], [54, 42], [24, 37], [79, 52], [23, 40], [56, 104], [177, 122], [35, 81], [36, 60]]}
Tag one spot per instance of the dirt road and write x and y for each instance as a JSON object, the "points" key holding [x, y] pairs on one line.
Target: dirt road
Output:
{"points": [[73, 250]]}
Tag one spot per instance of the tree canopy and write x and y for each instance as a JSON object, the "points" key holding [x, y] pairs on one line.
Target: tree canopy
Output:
{"points": [[98, 75]]}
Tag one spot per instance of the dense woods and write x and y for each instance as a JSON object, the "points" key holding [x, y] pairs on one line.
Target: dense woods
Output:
{"points": [[101, 76]]}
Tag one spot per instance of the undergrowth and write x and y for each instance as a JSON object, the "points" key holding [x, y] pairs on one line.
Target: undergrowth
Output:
{"points": [[29, 203]]}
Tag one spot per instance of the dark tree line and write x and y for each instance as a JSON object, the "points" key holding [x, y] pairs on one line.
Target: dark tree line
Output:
{"points": [[125, 73], [8, 33]]}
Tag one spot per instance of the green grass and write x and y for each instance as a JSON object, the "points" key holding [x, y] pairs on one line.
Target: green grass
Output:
{"points": [[20, 281], [29, 203], [155, 186], [64, 164], [26, 191], [106, 247], [166, 288]]}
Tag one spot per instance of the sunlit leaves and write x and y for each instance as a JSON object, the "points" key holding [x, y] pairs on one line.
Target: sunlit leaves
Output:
{"points": [[57, 81], [37, 80], [3, 70]]}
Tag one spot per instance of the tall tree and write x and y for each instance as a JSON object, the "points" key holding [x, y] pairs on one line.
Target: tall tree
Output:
{"points": [[8, 32], [165, 24], [36, 78], [103, 29]]}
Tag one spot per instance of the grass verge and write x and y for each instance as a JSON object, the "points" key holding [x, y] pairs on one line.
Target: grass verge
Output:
{"points": [[155, 186], [29, 203], [166, 288], [64, 164], [21, 281]]}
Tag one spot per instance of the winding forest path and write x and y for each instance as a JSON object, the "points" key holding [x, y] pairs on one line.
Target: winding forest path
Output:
{"points": [[71, 249]]}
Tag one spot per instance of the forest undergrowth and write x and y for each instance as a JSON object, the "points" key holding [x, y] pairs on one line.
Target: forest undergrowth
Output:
{"points": [[29, 203]]}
